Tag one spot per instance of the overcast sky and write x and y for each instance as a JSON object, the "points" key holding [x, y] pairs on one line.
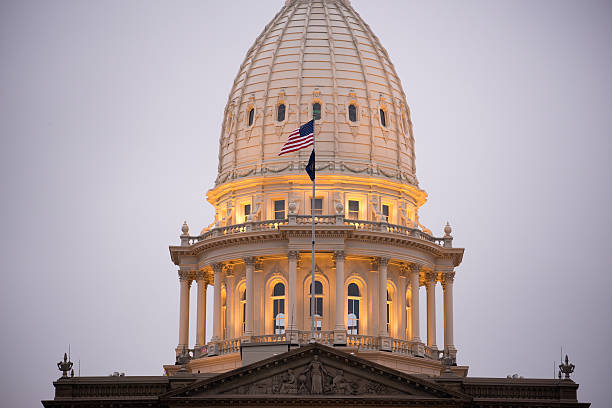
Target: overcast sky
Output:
{"points": [[110, 115]]}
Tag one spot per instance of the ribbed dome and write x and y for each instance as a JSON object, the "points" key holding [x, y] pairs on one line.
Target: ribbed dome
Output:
{"points": [[317, 51]]}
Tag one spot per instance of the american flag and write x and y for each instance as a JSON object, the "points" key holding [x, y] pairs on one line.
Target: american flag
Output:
{"points": [[299, 138]]}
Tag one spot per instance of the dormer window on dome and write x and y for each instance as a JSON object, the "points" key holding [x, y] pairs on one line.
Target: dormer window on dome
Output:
{"points": [[316, 111], [280, 112], [352, 111], [383, 117], [251, 117]]}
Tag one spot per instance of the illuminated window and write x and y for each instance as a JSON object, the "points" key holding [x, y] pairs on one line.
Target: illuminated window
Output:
{"points": [[353, 209], [388, 311], [243, 310], [318, 304], [383, 117], [352, 113], [279, 209], [318, 206], [278, 306], [251, 116], [353, 308], [316, 111], [280, 112], [385, 211]]}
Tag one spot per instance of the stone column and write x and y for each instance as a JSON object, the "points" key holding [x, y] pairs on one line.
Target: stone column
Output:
{"points": [[382, 295], [201, 319], [402, 300], [218, 269], [291, 312], [185, 285], [447, 284], [340, 328], [229, 302], [430, 285], [414, 290], [250, 265]]}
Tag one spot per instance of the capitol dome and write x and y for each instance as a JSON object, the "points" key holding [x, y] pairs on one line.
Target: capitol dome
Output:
{"points": [[317, 55]]}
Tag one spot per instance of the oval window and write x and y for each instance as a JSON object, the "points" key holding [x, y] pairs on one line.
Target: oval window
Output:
{"points": [[316, 111], [280, 113], [383, 117], [352, 113], [251, 116]]}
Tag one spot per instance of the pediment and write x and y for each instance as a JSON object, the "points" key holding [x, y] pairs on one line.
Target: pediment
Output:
{"points": [[314, 371]]}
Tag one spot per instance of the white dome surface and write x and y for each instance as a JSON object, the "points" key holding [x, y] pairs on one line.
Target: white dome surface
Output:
{"points": [[317, 51]]}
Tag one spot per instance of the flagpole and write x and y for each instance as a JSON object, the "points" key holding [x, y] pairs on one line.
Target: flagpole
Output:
{"points": [[313, 298]]}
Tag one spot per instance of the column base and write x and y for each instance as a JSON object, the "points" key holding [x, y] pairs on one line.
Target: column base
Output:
{"points": [[418, 348], [292, 336], [213, 348], [340, 337], [386, 343], [245, 339], [181, 349], [198, 351]]}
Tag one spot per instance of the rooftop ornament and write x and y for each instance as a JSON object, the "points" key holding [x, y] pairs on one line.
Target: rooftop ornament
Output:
{"points": [[65, 366], [566, 368]]}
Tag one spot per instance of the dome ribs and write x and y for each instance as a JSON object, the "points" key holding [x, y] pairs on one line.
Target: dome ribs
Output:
{"points": [[330, 39], [279, 41], [365, 80]]}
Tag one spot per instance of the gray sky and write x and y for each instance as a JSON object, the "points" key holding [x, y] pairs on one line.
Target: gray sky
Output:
{"points": [[110, 115]]}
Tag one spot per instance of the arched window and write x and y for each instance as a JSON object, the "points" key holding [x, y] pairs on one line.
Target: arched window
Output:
{"points": [[389, 300], [243, 310], [251, 116], [278, 308], [352, 113], [383, 117], [318, 304], [353, 308], [280, 112], [316, 111]]}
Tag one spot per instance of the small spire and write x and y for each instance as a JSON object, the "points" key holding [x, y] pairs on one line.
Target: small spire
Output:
{"points": [[185, 228], [447, 230]]}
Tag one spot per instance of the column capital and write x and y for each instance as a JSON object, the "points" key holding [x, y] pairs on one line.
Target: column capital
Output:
{"points": [[415, 267], [448, 278], [228, 269], [217, 267], [249, 260], [430, 278], [339, 255], [383, 261], [293, 254], [200, 276], [185, 276]]}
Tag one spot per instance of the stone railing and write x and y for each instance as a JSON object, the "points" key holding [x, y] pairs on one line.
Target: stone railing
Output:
{"points": [[519, 391], [302, 220], [110, 387], [362, 342], [359, 341]]}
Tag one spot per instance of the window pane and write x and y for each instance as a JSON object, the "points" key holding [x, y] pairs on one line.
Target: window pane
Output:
{"points": [[318, 206], [281, 113], [352, 113], [316, 110], [279, 290], [383, 118], [385, 210], [353, 289], [353, 209], [251, 116], [247, 209], [279, 210]]}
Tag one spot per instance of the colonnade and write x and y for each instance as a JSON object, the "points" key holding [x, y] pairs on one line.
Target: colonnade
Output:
{"points": [[410, 277]]}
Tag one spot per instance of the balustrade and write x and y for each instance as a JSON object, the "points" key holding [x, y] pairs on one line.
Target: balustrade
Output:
{"points": [[359, 225]]}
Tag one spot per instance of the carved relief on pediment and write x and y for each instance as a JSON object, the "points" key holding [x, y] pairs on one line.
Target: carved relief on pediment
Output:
{"points": [[314, 379]]}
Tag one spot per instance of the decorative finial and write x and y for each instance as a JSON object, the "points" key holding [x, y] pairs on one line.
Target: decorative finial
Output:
{"points": [[447, 230], [185, 228], [566, 368], [65, 366]]}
